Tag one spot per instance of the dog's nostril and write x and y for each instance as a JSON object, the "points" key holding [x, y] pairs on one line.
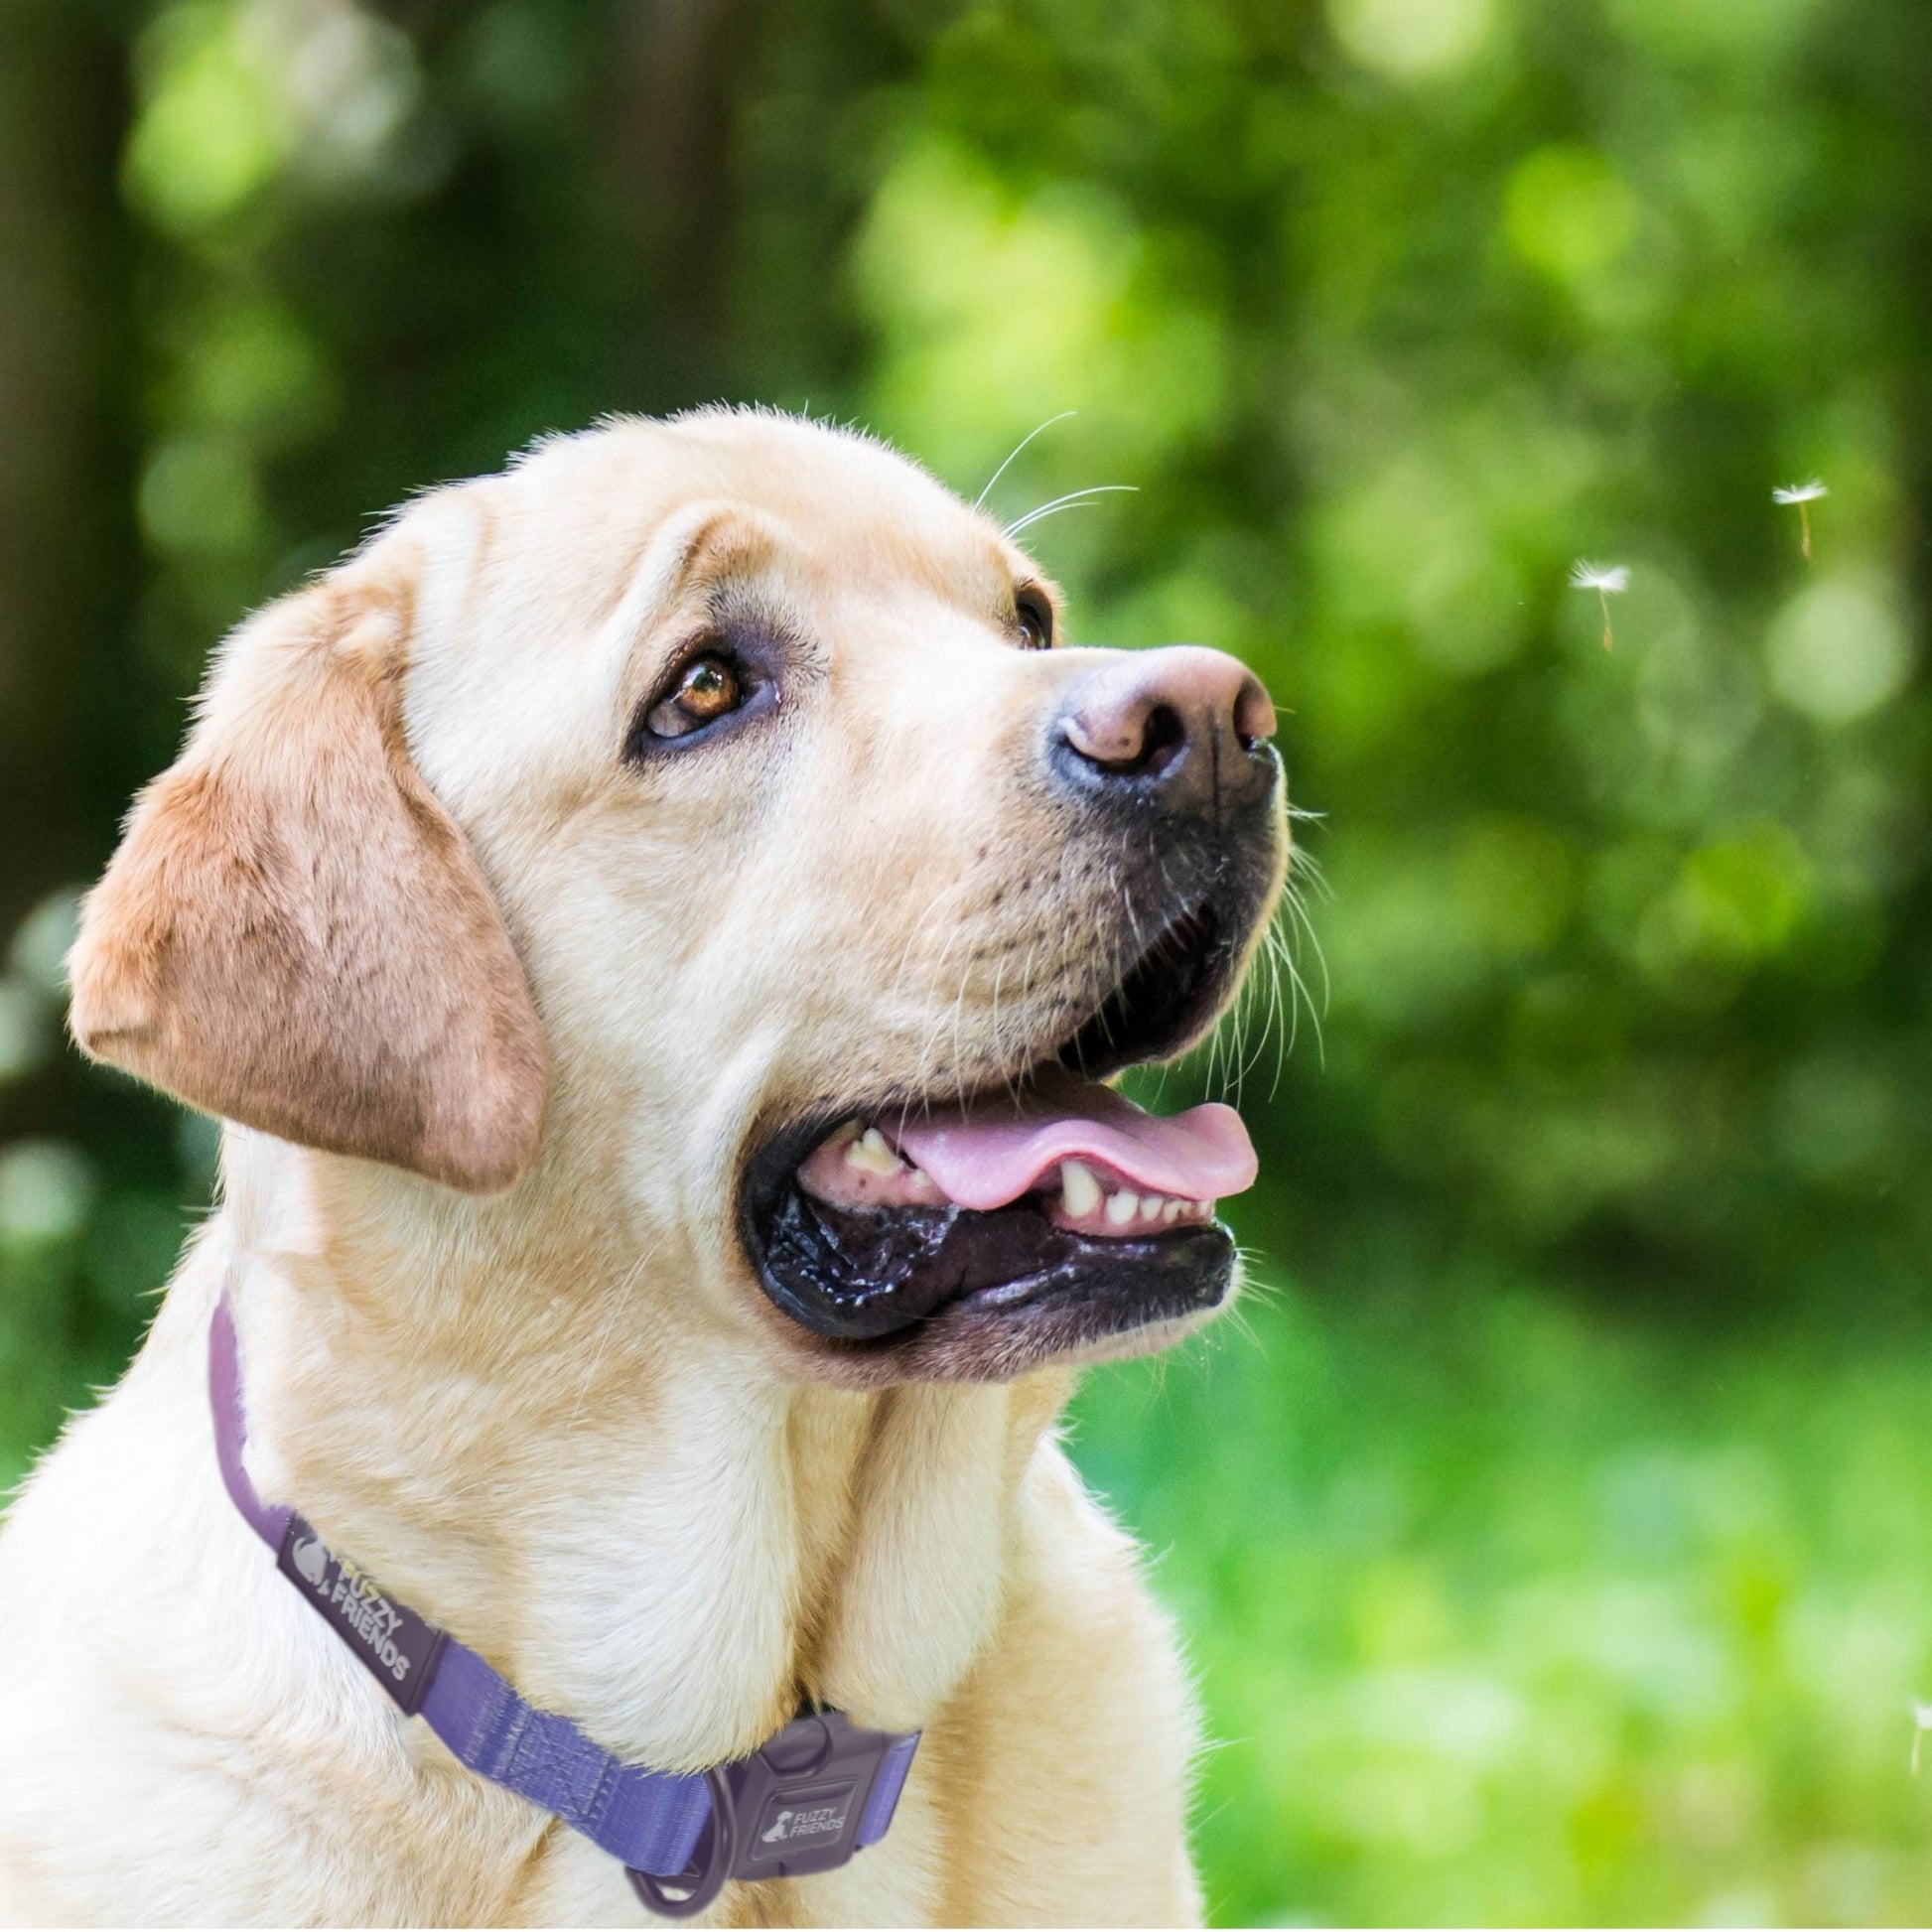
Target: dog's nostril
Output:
{"points": [[1162, 737], [1128, 742]]}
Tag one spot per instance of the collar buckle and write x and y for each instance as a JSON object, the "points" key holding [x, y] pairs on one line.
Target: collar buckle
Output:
{"points": [[804, 1801]]}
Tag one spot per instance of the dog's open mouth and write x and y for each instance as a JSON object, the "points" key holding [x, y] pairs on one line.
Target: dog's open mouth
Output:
{"points": [[915, 1223]]}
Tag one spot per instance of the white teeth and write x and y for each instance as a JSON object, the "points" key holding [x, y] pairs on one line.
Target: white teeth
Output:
{"points": [[1079, 1190], [1082, 1198], [872, 1153]]}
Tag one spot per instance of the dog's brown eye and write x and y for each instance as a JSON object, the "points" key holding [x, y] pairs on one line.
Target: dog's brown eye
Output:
{"points": [[708, 688], [1035, 621]]}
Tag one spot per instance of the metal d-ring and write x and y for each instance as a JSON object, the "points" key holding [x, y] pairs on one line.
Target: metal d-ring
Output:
{"points": [[709, 1865]]}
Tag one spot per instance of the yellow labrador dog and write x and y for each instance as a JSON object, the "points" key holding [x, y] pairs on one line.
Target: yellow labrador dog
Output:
{"points": [[656, 923]]}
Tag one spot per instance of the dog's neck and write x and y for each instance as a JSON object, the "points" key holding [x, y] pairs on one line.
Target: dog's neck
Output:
{"points": [[579, 1467]]}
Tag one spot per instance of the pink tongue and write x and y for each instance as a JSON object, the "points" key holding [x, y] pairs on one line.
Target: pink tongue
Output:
{"points": [[992, 1152]]}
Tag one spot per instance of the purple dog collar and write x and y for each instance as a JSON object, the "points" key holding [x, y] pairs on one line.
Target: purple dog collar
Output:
{"points": [[805, 1801]]}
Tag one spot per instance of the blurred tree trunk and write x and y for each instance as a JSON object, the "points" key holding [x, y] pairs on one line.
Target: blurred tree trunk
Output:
{"points": [[679, 68], [727, 135], [68, 370]]}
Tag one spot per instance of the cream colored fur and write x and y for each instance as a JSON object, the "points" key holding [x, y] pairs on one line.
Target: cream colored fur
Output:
{"points": [[558, 1418]]}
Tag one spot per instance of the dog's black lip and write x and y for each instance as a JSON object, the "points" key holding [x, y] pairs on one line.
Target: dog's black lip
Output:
{"points": [[1069, 1290]]}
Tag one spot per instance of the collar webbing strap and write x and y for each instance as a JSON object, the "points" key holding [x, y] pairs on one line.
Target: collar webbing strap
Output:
{"points": [[651, 1820]]}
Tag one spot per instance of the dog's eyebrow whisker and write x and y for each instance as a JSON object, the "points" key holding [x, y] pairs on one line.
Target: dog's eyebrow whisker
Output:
{"points": [[1071, 497], [979, 501]]}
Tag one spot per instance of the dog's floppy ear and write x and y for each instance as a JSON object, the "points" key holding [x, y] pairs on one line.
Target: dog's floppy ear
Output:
{"points": [[294, 935]]}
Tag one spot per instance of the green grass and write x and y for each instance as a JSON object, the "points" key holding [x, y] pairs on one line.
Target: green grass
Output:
{"points": [[1505, 1612]]}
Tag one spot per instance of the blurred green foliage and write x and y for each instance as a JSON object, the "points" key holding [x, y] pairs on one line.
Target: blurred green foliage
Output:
{"points": [[1501, 1618], [1550, 1543]]}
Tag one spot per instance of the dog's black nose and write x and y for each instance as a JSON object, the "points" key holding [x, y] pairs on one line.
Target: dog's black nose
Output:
{"points": [[1184, 726]]}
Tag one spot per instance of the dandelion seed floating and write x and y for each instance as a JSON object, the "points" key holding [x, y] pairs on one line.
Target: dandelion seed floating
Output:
{"points": [[1607, 580], [1921, 1723], [1804, 494]]}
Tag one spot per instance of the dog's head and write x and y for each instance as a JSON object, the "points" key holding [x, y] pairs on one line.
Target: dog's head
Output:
{"points": [[703, 827]]}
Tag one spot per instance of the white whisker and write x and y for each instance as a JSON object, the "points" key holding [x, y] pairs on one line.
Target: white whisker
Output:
{"points": [[980, 499], [1071, 497]]}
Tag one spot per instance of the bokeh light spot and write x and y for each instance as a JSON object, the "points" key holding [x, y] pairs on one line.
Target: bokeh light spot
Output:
{"points": [[1410, 40], [23, 1028], [46, 1189], [1569, 212], [199, 494], [208, 135], [38, 948], [1033, 306], [1839, 650]]}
